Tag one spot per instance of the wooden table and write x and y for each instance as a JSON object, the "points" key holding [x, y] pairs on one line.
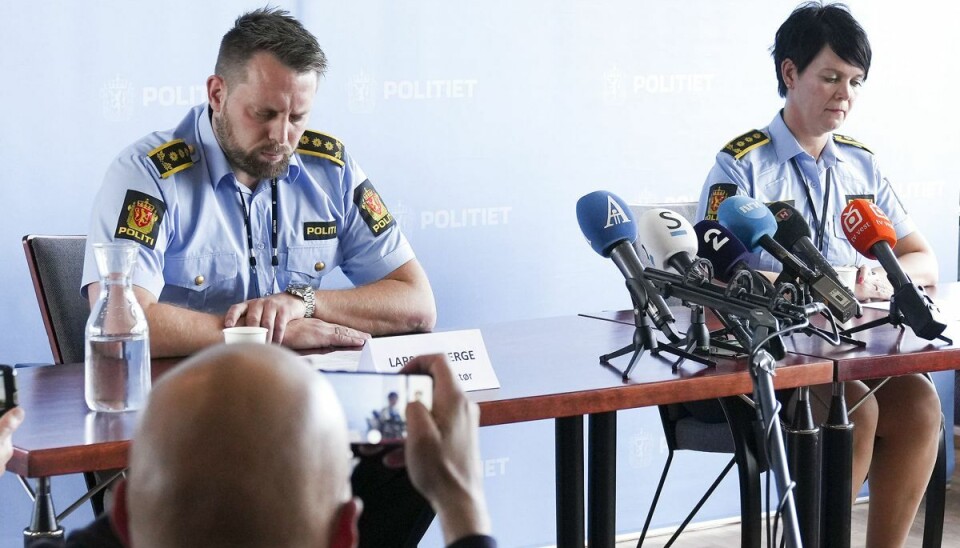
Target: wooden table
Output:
{"points": [[548, 369], [889, 351]]}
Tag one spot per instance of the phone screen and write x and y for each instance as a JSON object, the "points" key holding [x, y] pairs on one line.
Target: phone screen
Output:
{"points": [[8, 397], [376, 403]]}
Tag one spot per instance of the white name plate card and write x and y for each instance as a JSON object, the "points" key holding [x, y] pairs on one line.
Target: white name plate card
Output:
{"points": [[465, 352]]}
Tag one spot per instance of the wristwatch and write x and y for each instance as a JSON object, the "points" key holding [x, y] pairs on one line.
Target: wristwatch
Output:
{"points": [[306, 293]]}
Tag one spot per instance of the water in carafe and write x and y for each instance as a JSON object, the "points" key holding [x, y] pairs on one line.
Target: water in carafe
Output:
{"points": [[117, 370]]}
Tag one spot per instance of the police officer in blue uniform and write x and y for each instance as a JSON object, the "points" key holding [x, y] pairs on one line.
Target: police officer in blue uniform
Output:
{"points": [[240, 212], [770, 165], [822, 57]]}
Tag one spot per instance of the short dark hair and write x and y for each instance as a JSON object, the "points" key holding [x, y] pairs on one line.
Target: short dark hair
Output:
{"points": [[272, 30], [814, 25]]}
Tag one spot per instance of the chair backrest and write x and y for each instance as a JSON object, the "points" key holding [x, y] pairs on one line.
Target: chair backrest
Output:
{"points": [[56, 267]]}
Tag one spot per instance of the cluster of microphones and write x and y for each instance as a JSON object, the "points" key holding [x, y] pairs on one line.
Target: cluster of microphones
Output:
{"points": [[707, 265]]}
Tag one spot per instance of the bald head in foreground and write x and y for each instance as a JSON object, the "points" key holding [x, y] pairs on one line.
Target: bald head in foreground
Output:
{"points": [[246, 445], [242, 445]]}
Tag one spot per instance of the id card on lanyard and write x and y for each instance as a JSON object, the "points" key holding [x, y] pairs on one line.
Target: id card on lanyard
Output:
{"points": [[820, 220]]}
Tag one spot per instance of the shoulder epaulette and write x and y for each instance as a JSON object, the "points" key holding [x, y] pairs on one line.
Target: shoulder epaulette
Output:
{"points": [[319, 144], [171, 157], [745, 143], [850, 141]]}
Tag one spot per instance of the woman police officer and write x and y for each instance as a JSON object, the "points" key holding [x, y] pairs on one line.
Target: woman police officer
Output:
{"points": [[822, 57]]}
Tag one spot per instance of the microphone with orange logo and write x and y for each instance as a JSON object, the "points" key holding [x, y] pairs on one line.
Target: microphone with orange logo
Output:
{"points": [[870, 232]]}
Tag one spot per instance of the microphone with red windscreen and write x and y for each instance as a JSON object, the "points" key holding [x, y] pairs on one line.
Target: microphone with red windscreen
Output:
{"points": [[870, 232]]}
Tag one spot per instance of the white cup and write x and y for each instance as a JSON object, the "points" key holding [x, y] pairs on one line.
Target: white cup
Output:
{"points": [[245, 334], [847, 275]]}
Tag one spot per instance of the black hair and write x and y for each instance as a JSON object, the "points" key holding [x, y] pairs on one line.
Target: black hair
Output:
{"points": [[272, 30], [811, 27]]}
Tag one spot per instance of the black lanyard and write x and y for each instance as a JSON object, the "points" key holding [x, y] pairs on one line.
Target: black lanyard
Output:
{"points": [[274, 198], [821, 220]]}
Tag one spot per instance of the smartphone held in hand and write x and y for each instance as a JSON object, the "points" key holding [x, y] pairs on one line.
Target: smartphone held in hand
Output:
{"points": [[375, 404], [8, 397]]}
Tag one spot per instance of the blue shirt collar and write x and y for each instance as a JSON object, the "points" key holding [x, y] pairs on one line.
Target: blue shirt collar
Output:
{"points": [[787, 147], [217, 164]]}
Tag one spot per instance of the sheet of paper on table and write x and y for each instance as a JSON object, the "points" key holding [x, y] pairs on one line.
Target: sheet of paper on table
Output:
{"points": [[338, 360]]}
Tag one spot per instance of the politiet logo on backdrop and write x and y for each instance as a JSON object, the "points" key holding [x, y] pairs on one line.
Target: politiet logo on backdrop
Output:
{"points": [[469, 217], [494, 467], [410, 219], [364, 91], [120, 98], [644, 447], [619, 86], [116, 99]]}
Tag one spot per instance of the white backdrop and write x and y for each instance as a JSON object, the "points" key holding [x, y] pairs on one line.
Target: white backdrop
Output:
{"points": [[481, 123]]}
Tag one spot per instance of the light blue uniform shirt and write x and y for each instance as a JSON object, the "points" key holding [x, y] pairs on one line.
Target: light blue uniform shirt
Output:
{"points": [[768, 173], [197, 256]]}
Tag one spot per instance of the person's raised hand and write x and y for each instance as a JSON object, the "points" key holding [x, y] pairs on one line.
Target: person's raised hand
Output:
{"points": [[442, 452], [8, 423]]}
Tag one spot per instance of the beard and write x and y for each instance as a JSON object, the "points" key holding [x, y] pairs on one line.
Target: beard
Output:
{"points": [[249, 162]]}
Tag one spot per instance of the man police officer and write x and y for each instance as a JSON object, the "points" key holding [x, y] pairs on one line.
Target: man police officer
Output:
{"points": [[239, 213]]}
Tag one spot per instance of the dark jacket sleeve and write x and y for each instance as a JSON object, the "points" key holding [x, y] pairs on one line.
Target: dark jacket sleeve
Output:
{"points": [[475, 541], [98, 534]]}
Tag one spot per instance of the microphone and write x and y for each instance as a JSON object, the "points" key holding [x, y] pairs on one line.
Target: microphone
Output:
{"points": [[671, 241], [793, 233], [668, 239], [870, 232], [609, 227], [753, 224], [726, 253]]}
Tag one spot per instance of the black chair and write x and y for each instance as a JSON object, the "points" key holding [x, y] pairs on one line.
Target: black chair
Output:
{"points": [[56, 267], [738, 435]]}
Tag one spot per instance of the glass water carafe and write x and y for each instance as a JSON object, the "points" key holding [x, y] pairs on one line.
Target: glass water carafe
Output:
{"points": [[117, 370]]}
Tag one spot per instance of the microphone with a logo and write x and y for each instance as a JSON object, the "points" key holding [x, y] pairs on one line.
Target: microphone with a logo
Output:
{"points": [[729, 257], [870, 232], [753, 224], [608, 225], [793, 233], [671, 242]]}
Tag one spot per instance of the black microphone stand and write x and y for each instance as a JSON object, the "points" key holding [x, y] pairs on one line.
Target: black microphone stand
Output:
{"points": [[895, 318], [762, 367], [643, 335], [803, 453], [697, 338]]}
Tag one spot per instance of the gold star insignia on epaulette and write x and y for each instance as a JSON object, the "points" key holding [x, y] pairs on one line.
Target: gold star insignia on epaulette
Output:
{"points": [[850, 141], [171, 157], [743, 144], [318, 144]]}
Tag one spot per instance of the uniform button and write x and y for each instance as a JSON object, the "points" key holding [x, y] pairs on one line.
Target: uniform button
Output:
{"points": [[259, 246], [319, 266], [199, 280]]}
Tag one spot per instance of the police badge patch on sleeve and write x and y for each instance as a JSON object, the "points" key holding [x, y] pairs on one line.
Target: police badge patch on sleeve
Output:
{"points": [[140, 218], [372, 209], [717, 194]]}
